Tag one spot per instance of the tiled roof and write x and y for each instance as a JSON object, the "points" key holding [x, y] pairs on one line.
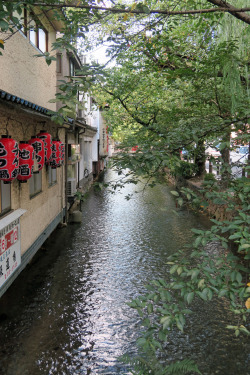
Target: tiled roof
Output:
{"points": [[16, 99], [26, 103]]}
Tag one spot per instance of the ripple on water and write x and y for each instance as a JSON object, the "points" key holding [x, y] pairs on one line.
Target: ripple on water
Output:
{"points": [[70, 316]]}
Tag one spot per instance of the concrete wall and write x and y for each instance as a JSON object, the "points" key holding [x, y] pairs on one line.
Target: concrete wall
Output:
{"points": [[44, 207]]}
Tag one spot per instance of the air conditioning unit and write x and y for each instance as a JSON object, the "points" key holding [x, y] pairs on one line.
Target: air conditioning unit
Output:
{"points": [[71, 187]]}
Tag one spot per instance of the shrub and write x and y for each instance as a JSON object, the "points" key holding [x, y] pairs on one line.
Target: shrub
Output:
{"points": [[209, 177], [185, 170]]}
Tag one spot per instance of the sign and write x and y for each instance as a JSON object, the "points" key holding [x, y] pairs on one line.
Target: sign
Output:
{"points": [[104, 139], [10, 250]]}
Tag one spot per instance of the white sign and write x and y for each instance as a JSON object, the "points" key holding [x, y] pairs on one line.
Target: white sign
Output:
{"points": [[103, 151], [10, 250]]}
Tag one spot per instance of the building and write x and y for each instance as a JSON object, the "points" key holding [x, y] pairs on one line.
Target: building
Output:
{"points": [[29, 211]]}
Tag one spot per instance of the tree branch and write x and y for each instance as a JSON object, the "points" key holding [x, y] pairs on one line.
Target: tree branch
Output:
{"points": [[139, 121], [232, 10], [224, 8]]}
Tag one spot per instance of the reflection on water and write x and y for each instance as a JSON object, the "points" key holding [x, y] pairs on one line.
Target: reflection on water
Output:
{"points": [[67, 313]]}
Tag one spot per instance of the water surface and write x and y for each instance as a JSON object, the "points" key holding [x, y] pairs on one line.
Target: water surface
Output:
{"points": [[67, 312]]}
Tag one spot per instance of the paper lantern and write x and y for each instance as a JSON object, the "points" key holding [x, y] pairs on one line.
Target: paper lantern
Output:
{"points": [[9, 159], [26, 161], [56, 153], [38, 145], [47, 139]]}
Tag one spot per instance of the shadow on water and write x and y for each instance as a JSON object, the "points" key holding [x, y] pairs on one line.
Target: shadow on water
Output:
{"points": [[67, 312]]}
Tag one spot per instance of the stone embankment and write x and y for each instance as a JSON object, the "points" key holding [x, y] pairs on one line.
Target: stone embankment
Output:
{"points": [[214, 211]]}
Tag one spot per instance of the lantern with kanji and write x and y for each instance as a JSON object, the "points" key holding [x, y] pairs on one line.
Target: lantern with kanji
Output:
{"points": [[26, 161], [62, 153], [38, 145], [9, 159], [56, 153], [47, 139]]}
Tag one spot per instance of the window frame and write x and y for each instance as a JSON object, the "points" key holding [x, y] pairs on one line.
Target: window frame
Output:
{"points": [[35, 184], [5, 189], [38, 26], [59, 63], [72, 68], [52, 176]]}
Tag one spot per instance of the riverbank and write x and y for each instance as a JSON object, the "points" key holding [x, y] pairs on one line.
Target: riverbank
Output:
{"points": [[214, 211]]}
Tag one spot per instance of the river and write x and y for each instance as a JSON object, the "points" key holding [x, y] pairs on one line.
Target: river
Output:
{"points": [[67, 311]]}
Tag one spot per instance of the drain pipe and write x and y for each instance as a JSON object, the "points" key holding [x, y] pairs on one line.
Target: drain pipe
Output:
{"points": [[66, 177], [78, 166]]}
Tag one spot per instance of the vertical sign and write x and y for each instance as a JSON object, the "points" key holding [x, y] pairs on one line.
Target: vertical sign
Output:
{"points": [[103, 131], [10, 250]]}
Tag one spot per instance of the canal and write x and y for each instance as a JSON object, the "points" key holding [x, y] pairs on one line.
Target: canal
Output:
{"points": [[67, 311]]}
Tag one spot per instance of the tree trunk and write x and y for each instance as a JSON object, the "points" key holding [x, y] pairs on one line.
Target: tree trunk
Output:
{"points": [[225, 155], [200, 158]]}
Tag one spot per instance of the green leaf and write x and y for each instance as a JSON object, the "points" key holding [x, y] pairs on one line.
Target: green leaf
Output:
{"points": [[173, 269], [165, 321], [236, 235], [239, 277], [150, 308], [179, 325], [190, 297], [245, 246], [222, 292], [175, 193], [195, 273], [4, 25]]}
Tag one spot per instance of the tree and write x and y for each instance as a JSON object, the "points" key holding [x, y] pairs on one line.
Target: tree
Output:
{"points": [[181, 79]]}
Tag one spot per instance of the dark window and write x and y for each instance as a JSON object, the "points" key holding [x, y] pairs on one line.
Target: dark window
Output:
{"points": [[5, 202], [52, 176], [71, 68], [59, 63], [35, 184]]}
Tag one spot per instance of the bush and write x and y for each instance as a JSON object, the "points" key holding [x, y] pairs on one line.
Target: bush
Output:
{"points": [[209, 177], [185, 170]]}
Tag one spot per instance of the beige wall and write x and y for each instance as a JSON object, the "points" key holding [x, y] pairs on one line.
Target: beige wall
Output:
{"points": [[27, 76], [62, 75], [44, 207]]}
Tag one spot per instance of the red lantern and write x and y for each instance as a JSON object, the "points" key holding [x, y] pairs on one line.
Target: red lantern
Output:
{"points": [[62, 154], [56, 153], [47, 139], [8, 159], [38, 145], [26, 161]]}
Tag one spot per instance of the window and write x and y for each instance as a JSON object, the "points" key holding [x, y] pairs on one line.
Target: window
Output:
{"points": [[59, 63], [35, 184], [52, 176], [5, 203], [32, 32], [71, 68], [38, 36], [42, 40]]}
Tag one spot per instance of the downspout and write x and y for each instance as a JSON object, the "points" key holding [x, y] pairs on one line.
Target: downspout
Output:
{"points": [[66, 176], [79, 133], [78, 164]]}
